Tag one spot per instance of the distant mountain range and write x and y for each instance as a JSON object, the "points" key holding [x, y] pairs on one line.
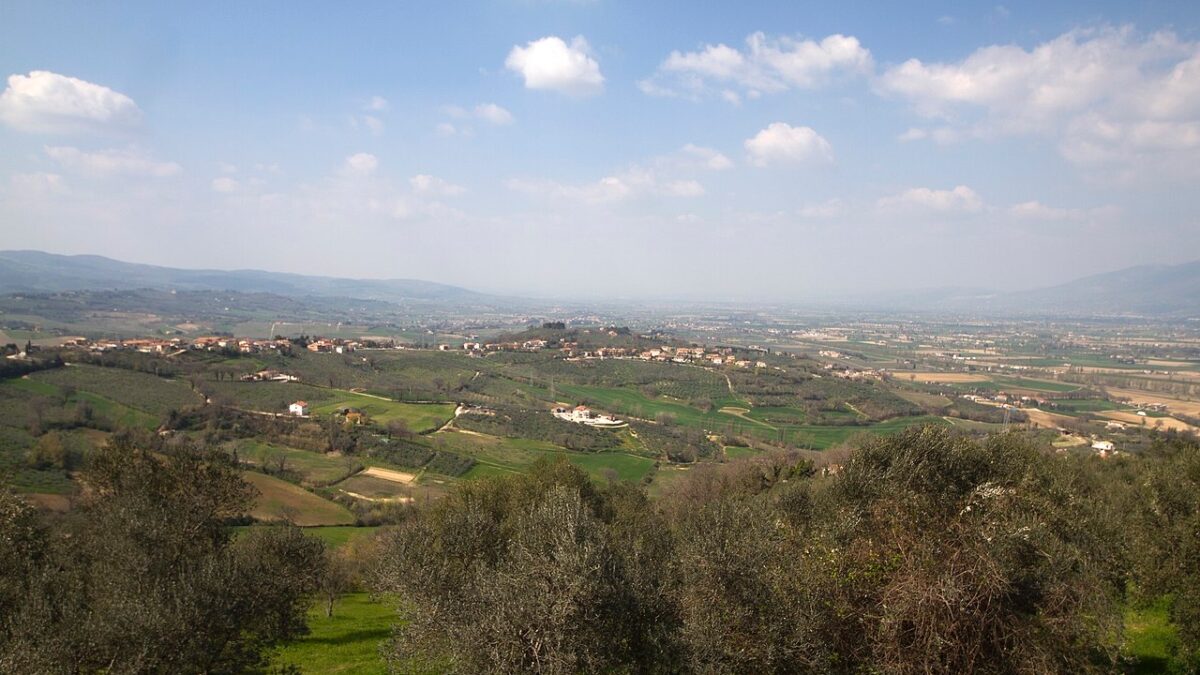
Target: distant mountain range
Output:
{"points": [[1167, 291], [1147, 290], [38, 272]]}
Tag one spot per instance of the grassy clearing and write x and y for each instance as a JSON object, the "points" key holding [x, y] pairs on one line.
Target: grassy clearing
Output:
{"points": [[1150, 637], [143, 391], [316, 468], [346, 643], [420, 417], [598, 465], [923, 399], [736, 452], [497, 456], [338, 536], [822, 437], [280, 500], [374, 488], [1086, 405]]}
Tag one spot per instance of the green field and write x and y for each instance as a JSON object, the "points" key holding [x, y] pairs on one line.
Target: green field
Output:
{"points": [[495, 455], [420, 417], [338, 536], [103, 406], [1150, 637], [316, 468], [347, 644], [280, 500], [143, 391], [737, 452], [1086, 405], [630, 402], [822, 437]]}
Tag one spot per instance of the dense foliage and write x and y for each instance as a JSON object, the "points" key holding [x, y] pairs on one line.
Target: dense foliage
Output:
{"points": [[144, 577], [927, 552], [540, 426]]}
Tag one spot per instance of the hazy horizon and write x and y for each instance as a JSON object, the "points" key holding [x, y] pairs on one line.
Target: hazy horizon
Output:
{"points": [[597, 149]]}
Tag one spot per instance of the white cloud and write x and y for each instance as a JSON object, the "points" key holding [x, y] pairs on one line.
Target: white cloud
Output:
{"points": [[131, 162], [704, 158], [494, 114], [765, 65], [961, 199], [828, 209], [362, 163], [373, 124], [431, 185], [636, 181], [1109, 95], [224, 184], [550, 63], [37, 184], [376, 104], [445, 129], [1035, 210], [45, 102], [782, 143]]}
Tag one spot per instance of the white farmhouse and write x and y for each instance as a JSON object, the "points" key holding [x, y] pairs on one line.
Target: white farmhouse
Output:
{"points": [[299, 408]]}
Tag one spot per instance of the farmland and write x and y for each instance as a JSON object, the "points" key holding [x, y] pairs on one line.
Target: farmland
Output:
{"points": [[280, 500]]}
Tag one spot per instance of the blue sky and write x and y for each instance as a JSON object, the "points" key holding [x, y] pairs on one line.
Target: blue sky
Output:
{"points": [[765, 151]]}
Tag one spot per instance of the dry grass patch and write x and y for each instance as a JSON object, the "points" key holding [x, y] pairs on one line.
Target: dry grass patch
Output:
{"points": [[941, 378], [1045, 419], [1134, 419], [1190, 408], [279, 500], [390, 475]]}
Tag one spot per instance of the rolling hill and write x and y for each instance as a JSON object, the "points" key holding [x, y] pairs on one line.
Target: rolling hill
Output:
{"points": [[1152, 290], [39, 272]]}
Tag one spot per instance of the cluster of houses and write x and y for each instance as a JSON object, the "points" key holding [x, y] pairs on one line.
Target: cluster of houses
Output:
{"points": [[269, 376], [856, 374], [581, 414], [333, 346], [216, 343], [211, 343], [479, 348], [143, 345]]}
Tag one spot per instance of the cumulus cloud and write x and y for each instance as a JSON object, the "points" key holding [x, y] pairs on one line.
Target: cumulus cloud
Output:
{"points": [[46, 102], [129, 162], [488, 113], [764, 65], [37, 184], [668, 175], [1109, 95], [704, 158], [636, 181], [960, 199], [1037, 211], [373, 124], [362, 164], [827, 209], [224, 184], [431, 185], [376, 104], [551, 63], [493, 114], [782, 143]]}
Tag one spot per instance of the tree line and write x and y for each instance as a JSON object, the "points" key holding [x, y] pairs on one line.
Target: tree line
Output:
{"points": [[927, 552]]}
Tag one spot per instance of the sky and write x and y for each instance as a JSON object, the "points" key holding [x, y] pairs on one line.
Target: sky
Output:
{"points": [[599, 149]]}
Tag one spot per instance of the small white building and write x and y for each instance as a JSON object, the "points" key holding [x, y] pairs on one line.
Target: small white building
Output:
{"points": [[299, 408], [1103, 446]]}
